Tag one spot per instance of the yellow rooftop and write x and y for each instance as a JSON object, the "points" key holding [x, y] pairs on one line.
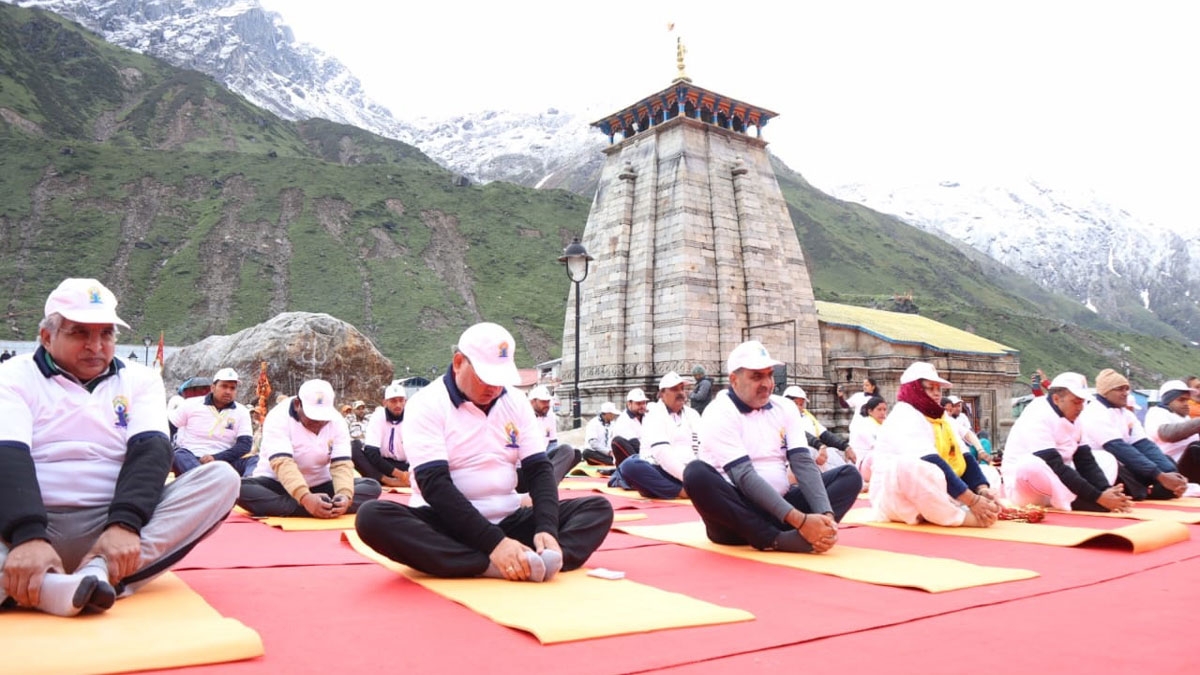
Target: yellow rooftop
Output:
{"points": [[900, 328]]}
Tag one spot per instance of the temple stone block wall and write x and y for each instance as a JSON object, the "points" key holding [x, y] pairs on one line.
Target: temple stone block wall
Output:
{"points": [[694, 253]]}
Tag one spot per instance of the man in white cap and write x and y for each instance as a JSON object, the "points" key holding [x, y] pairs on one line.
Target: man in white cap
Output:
{"points": [[382, 456], [749, 439], [1170, 427], [1045, 460], [308, 469], [1107, 423], [356, 422], [627, 428], [214, 429], [465, 435], [671, 439], [598, 434], [85, 515], [920, 471], [562, 455], [820, 439]]}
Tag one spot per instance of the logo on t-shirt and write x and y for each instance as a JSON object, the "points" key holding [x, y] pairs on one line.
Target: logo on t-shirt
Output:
{"points": [[783, 439], [121, 408], [510, 430]]}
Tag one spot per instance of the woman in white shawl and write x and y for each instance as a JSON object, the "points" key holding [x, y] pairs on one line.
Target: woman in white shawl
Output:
{"points": [[920, 472]]}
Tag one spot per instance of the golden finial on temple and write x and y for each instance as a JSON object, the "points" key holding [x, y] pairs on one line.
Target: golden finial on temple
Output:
{"points": [[680, 52]]}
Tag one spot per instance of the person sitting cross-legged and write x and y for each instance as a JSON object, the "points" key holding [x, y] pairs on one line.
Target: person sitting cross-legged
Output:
{"points": [[749, 439], [308, 470], [465, 435], [920, 472], [670, 441], [214, 428], [86, 515]]}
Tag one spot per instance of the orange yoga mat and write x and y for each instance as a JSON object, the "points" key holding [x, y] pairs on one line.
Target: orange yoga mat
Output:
{"points": [[164, 625]]}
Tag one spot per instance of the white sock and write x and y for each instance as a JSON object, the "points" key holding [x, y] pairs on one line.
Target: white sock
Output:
{"points": [[537, 568], [554, 562], [66, 594]]}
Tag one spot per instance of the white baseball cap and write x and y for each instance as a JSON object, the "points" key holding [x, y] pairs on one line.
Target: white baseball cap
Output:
{"points": [[226, 374], [1072, 382], [795, 392], [671, 379], [953, 400], [922, 370], [540, 393], [636, 395], [395, 390], [609, 408], [1172, 386], [750, 355], [316, 399], [490, 348], [84, 301]]}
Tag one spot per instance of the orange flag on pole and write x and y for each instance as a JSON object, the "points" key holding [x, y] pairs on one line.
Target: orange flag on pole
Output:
{"points": [[158, 356]]}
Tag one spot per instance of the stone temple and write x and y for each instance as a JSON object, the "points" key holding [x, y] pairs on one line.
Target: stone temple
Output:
{"points": [[695, 251]]}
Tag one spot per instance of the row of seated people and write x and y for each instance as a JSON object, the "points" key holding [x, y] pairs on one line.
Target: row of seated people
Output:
{"points": [[68, 546]]}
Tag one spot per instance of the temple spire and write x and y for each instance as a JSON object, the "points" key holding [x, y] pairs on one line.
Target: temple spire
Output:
{"points": [[680, 52]]}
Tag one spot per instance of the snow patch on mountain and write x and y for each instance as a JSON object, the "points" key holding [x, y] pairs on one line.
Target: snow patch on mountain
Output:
{"points": [[1067, 240]]}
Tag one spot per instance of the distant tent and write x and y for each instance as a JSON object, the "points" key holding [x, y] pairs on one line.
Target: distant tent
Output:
{"points": [[413, 384]]}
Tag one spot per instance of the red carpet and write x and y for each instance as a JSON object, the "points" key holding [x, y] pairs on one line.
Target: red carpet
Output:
{"points": [[322, 608]]}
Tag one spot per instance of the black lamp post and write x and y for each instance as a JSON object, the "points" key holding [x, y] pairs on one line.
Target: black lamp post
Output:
{"points": [[576, 258], [146, 340]]}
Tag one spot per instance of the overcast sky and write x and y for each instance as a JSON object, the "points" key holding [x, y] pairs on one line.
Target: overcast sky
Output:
{"points": [[1093, 94]]}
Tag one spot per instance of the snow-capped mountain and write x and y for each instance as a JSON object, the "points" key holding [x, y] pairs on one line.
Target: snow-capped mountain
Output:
{"points": [[551, 149], [254, 53], [1066, 240], [241, 45]]}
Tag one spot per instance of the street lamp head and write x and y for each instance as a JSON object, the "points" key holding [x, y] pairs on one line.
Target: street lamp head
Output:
{"points": [[147, 340], [576, 258]]}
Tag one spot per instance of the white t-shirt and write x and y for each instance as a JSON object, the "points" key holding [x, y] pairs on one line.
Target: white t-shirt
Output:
{"points": [[284, 435], [78, 438], [626, 426], [670, 440], [1157, 416], [598, 435], [481, 450], [385, 434], [549, 423], [204, 430], [764, 435], [1100, 424], [907, 432], [863, 431], [1040, 428]]}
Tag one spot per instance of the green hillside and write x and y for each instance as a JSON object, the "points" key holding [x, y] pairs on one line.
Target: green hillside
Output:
{"points": [[206, 215]]}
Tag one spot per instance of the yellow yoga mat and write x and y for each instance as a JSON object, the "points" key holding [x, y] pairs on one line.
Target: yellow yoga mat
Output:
{"points": [[1139, 537], [164, 625], [626, 517], [1165, 515], [883, 568], [290, 524], [574, 606], [617, 492], [1189, 502], [585, 469]]}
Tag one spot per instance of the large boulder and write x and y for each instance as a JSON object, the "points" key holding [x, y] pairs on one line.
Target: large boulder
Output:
{"points": [[296, 346]]}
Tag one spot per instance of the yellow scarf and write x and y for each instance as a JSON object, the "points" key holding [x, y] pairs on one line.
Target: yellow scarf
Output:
{"points": [[946, 441]]}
